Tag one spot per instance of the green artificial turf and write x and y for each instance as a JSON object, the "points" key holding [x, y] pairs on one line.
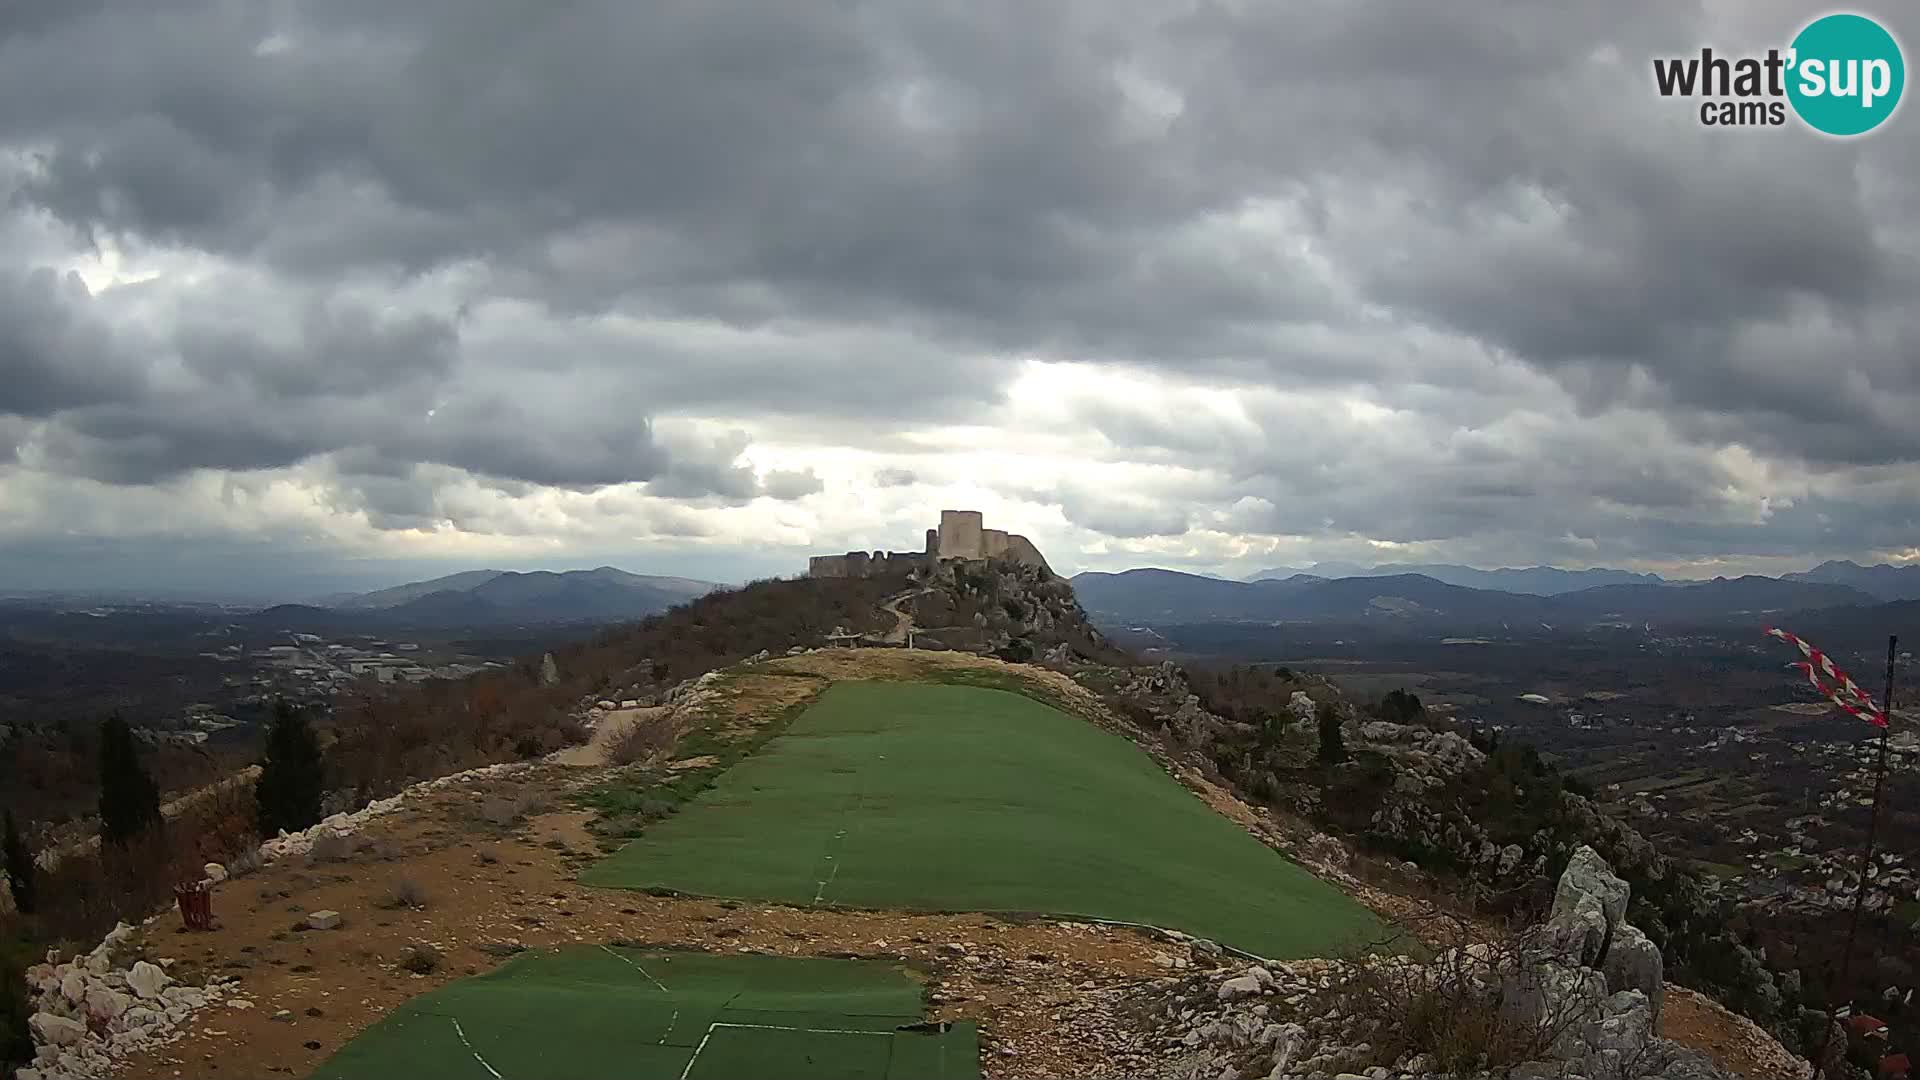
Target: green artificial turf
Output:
{"points": [[952, 798], [591, 1012]]}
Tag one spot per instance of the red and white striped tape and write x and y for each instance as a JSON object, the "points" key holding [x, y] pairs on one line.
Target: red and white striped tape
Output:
{"points": [[1844, 693]]}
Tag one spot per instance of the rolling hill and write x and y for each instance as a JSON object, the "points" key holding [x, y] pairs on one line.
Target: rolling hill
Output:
{"points": [[1884, 582], [1537, 580], [497, 597]]}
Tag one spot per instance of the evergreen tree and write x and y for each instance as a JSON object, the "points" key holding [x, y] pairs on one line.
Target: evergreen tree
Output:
{"points": [[1401, 707], [129, 799], [19, 861], [292, 778], [16, 1039], [1333, 745]]}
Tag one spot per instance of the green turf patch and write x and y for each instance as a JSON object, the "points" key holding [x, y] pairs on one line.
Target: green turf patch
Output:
{"points": [[595, 1012], [639, 795], [951, 798]]}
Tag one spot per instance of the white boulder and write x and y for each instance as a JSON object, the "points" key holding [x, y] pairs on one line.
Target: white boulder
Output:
{"points": [[56, 1030], [147, 980]]}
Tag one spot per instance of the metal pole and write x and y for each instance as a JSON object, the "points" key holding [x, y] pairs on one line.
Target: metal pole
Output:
{"points": [[1873, 826]]}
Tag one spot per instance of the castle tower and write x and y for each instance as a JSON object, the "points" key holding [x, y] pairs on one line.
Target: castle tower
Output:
{"points": [[962, 534]]}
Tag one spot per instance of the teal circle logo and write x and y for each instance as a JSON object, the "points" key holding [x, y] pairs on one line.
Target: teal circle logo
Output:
{"points": [[1846, 75]]}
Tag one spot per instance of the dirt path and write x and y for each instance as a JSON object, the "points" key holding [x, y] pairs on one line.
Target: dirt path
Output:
{"points": [[902, 619], [611, 727]]}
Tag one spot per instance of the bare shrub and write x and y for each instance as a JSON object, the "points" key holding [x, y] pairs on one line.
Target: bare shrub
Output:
{"points": [[247, 861], [503, 810], [1487, 998], [642, 742], [420, 958], [406, 893]]}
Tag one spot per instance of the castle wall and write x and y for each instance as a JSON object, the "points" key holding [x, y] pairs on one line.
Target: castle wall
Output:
{"points": [[962, 535], [1021, 550], [860, 564]]}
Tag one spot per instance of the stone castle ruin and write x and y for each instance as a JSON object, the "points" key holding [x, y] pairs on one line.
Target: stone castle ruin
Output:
{"points": [[962, 535]]}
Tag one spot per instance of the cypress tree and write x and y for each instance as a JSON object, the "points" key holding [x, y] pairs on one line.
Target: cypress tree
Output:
{"points": [[19, 861], [1333, 744], [292, 778], [129, 799]]}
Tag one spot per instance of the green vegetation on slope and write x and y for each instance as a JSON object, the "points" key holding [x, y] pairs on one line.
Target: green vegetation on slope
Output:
{"points": [[951, 798], [593, 1011]]}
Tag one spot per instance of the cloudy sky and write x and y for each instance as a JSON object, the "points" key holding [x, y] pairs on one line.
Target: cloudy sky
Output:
{"points": [[317, 293]]}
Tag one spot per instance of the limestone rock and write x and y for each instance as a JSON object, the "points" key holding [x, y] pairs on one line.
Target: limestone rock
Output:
{"points": [[1240, 986], [1633, 963], [1625, 1026], [56, 1030], [1577, 930], [1588, 873], [147, 980], [323, 920], [1510, 857], [107, 1002], [1301, 706]]}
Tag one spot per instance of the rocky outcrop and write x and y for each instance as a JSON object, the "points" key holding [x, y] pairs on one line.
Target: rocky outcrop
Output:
{"points": [[1586, 984], [95, 1009], [1588, 926]]}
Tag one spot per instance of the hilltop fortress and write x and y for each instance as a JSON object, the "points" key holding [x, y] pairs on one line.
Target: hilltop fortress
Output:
{"points": [[962, 535]]}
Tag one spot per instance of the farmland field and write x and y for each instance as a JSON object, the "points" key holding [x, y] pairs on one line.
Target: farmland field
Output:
{"points": [[952, 798]]}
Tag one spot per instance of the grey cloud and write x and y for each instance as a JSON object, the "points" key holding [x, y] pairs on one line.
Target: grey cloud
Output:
{"points": [[895, 477], [790, 483], [279, 390], [54, 354], [1118, 514]]}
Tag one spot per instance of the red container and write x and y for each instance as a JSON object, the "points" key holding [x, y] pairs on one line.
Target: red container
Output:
{"points": [[196, 905]]}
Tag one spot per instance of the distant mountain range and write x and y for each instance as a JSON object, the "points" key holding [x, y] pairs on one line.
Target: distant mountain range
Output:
{"points": [[1537, 580], [1166, 596], [1883, 581], [492, 597]]}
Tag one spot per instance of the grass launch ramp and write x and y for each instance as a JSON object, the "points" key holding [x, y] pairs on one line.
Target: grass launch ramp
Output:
{"points": [[957, 798], [592, 1012]]}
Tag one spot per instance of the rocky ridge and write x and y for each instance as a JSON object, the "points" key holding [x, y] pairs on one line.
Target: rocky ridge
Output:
{"points": [[1584, 988]]}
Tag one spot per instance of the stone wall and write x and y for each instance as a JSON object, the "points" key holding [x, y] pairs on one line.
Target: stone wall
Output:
{"points": [[862, 564]]}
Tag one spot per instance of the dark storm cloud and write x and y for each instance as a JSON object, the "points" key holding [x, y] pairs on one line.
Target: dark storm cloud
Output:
{"points": [[288, 386], [517, 239], [53, 353]]}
